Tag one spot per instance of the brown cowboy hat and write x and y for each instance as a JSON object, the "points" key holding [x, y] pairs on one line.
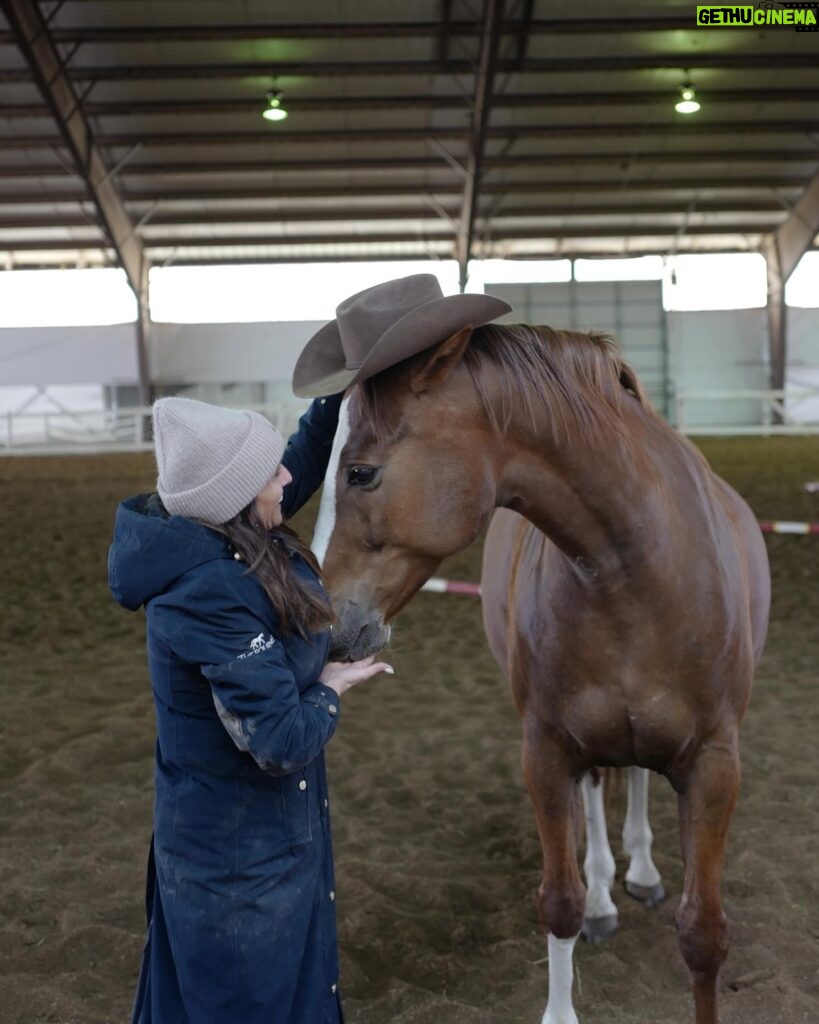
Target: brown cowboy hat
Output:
{"points": [[382, 326]]}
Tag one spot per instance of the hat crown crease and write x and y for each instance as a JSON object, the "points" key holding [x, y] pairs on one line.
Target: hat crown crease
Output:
{"points": [[371, 313]]}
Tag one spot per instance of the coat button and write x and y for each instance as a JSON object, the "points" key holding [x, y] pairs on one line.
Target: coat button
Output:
{"points": [[302, 785], [332, 709], [332, 895], [334, 989]]}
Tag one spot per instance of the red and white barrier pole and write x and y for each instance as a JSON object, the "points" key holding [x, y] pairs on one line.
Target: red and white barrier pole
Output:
{"points": [[783, 526], [436, 585]]}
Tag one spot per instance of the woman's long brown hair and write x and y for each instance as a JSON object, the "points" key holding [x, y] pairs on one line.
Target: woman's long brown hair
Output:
{"points": [[299, 605], [268, 553]]}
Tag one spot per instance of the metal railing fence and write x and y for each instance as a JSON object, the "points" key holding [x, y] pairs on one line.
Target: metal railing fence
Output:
{"points": [[124, 429], [128, 429]]}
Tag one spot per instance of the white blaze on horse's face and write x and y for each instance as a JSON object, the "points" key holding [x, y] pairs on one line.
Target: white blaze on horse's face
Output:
{"points": [[366, 635], [327, 509]]}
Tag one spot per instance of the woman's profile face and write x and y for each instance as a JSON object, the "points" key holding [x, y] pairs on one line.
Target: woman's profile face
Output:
{"points": [[268, 503]]}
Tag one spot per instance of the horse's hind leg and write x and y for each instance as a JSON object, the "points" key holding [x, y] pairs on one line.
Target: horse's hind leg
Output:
{"points": [[600, 920], [642, 878], [561, 897], [707, 801]]}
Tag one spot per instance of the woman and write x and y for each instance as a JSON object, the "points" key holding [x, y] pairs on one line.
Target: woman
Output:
{"points": [[240, 898]]}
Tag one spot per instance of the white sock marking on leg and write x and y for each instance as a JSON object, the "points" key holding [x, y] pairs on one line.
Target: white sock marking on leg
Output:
{"points": [[637, 834], [559, 1009], [599, 863]]}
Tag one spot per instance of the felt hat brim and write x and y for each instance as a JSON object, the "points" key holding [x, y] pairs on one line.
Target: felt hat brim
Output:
{"points": [[321, 368]]}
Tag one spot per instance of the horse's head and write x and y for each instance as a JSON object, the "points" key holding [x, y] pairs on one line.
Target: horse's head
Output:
{"points": [[411, 480]]}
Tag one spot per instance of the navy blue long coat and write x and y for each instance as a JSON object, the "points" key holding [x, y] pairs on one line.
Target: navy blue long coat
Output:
{"points": [[240, 894]]}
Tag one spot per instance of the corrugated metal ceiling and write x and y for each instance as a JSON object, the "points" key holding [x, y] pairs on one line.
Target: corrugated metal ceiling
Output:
{"points": [[583, 152]]}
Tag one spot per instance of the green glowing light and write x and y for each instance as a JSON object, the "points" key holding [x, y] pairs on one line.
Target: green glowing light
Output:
{"points": [[687, 103], [274, 110]]}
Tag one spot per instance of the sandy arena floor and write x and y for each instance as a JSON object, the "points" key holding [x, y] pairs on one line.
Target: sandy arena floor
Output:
{"points": [[436, 849]]}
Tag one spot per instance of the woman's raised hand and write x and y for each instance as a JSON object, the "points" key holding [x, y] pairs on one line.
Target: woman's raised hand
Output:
{"points": [[341, 675]]}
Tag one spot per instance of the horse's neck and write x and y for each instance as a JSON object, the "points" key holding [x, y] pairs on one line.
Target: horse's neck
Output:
{"points": [[594, 500]]}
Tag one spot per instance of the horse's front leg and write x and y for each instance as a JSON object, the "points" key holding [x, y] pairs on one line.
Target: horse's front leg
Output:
{"points": [[600, 920], [707, 799], [643, 880], [561, 897]]}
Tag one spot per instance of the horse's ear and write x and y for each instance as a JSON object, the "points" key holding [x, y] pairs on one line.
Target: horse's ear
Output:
{"points": [[443, 360]]}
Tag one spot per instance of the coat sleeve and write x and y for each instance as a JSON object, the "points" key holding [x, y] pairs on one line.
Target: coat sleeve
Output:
{"points": [[254, 689], [308, 451]]}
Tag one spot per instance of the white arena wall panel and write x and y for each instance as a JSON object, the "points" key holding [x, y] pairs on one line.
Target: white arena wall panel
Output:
{"points": [[251, 363], [215, 353], [177, 353], [56, 356], [719, 350], [803, 360], [232, 364]]}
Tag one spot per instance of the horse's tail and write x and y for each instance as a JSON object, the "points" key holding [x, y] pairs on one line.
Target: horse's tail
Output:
{"points": [[612, 786]]}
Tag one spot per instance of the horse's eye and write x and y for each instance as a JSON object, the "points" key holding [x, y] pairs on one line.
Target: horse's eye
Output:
{"points": [[361, 476]]}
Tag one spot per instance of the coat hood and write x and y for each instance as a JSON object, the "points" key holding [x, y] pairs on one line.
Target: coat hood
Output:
{"points": [[152, 549]]}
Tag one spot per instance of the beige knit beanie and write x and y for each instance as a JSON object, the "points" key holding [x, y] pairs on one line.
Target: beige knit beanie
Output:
{"points": [[212, 462]]}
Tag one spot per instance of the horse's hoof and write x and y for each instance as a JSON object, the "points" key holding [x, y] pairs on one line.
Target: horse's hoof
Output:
{"points": [[597, 929], [650, 895]]}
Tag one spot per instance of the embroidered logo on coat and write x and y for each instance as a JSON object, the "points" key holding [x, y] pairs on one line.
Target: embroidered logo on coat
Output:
{"points": [[259, 644]]}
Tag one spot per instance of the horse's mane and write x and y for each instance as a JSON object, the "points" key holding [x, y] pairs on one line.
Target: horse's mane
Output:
{"points": [[581, 381]]}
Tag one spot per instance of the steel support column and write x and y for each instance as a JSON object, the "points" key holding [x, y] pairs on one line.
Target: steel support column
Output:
{"points": [[32, 36], [487, 60], [782, 250]]}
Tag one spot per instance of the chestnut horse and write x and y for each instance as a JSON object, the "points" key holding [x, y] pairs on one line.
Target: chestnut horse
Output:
{"points": [[625, 591]]}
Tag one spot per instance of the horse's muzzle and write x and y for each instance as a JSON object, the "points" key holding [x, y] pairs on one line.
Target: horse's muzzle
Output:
{"points": [[358, 633]]}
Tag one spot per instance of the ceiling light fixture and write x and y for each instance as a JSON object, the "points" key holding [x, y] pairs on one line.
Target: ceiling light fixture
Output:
{"points": [[274, 110], [687, 103]]}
